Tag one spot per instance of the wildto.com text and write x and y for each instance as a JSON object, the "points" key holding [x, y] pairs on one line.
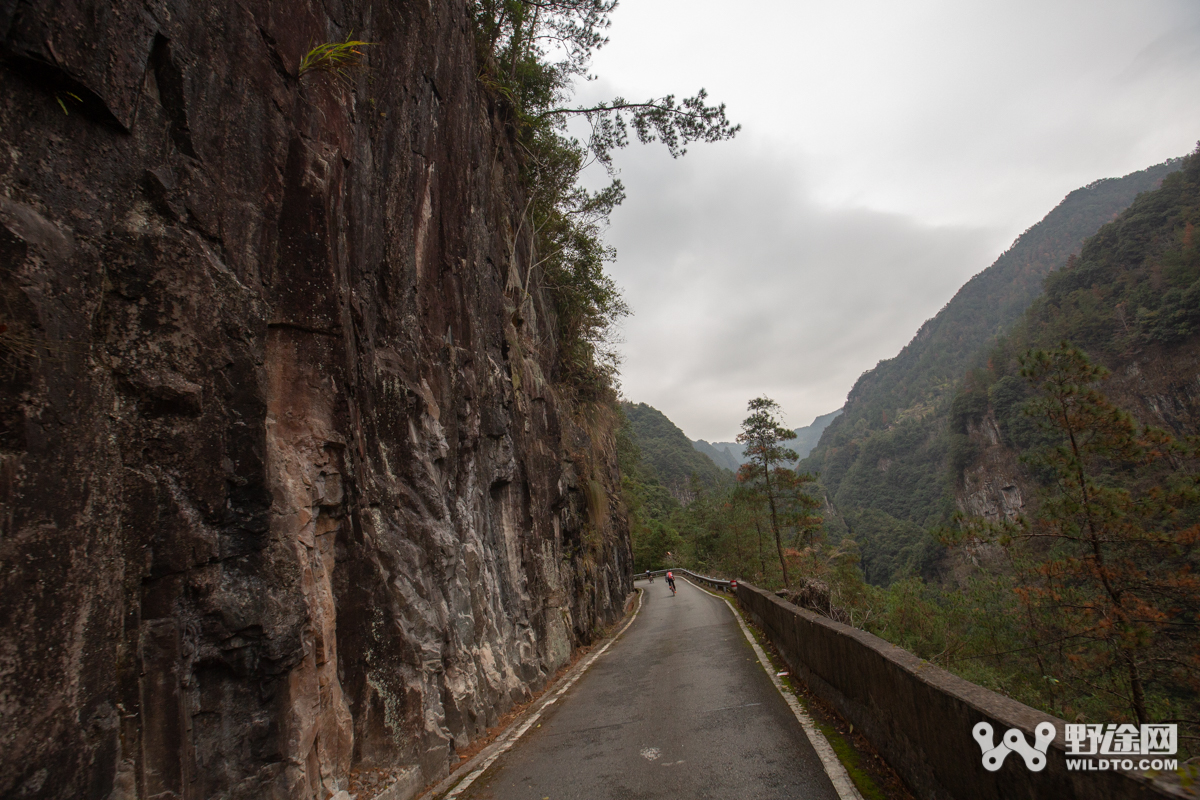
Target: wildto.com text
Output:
{"points": [[1121, 746]]}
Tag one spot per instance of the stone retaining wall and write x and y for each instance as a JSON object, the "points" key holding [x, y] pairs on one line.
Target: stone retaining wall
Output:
{"points": [[921, 717]]}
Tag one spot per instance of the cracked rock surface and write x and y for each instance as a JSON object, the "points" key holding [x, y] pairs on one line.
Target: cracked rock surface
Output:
{"points": [[287, 489]]}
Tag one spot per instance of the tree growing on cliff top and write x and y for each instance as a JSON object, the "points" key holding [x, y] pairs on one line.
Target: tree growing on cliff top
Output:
{"points": [[532, 52], [540, 47]]}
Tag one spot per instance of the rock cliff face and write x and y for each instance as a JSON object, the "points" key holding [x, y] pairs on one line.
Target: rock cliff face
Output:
{"points": [[992, 485], [1158, 385], [287, 490]]}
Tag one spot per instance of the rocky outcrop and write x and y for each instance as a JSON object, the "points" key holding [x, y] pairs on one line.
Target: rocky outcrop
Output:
{"points": [[1159, 385], [288, 490], [991, 486]]}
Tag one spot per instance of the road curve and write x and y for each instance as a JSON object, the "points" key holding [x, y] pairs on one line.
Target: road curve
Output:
{"points": [[677, 708]]}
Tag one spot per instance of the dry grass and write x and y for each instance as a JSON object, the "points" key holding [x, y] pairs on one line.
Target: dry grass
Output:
{"points": [[20, 348], [338, 59], [17, 346]]}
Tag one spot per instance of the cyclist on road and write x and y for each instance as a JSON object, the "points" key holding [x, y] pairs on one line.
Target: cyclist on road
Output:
{"points": [[650, 576], [671, 582]]}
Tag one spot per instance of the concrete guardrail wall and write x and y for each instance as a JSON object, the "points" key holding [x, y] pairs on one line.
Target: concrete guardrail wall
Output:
{"points": [[921, 717], [712, 583]]}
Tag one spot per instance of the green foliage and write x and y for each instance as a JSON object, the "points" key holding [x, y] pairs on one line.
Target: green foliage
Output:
{"points": [[1103, 574], [519, 38], [968, 407], [1007, 398], [898, 476], [566, 257], [724, 526], [531, 54], [335, 58], [649, 504], [781, 488], [910, 615], [892, 548], [62, 96], [675, 124], [670, 453], [763, 435], [901, 443], [963, 452]]}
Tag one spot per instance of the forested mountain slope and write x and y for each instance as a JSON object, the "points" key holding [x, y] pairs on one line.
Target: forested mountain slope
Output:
{"points": [[884, 462], [1131, 301], [669, 452]]}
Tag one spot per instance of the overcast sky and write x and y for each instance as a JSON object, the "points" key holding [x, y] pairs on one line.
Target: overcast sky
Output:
{"points": [[889, 152]]}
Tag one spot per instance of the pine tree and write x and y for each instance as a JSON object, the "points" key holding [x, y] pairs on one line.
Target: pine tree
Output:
{"points": [[1104, 572], [763, 436]]}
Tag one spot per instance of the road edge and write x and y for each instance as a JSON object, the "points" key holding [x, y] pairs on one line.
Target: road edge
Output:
{"points": [[834, 768], [457, 782]]}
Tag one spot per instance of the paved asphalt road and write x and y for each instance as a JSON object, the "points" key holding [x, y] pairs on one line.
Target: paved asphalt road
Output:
{"points": [[677, 708]]}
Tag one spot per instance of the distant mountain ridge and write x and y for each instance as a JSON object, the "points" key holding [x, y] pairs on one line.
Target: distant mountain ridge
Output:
{"points": [[884, 465], [730, 455], [1131, 301], [991, 302], [810, 435], [722, 457]]}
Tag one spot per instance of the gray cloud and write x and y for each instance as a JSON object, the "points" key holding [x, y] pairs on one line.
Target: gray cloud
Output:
{"points": [[741, 285], [890, 151]]}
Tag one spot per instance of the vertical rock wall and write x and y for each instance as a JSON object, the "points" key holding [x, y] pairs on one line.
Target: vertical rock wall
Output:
{"points": [[286, 490]]}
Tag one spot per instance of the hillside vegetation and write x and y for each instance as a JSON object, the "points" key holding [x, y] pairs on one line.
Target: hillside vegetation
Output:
{"points": [[1131, 301], [1076, 452], [683, 510], [1134, 286], [668, 455], [884, 465]]}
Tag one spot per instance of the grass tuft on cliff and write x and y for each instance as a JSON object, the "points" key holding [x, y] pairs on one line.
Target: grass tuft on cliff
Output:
{"points": [[338, 59]]}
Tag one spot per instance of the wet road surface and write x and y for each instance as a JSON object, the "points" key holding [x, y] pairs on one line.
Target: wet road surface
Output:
{"points": [[677, 708]]}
